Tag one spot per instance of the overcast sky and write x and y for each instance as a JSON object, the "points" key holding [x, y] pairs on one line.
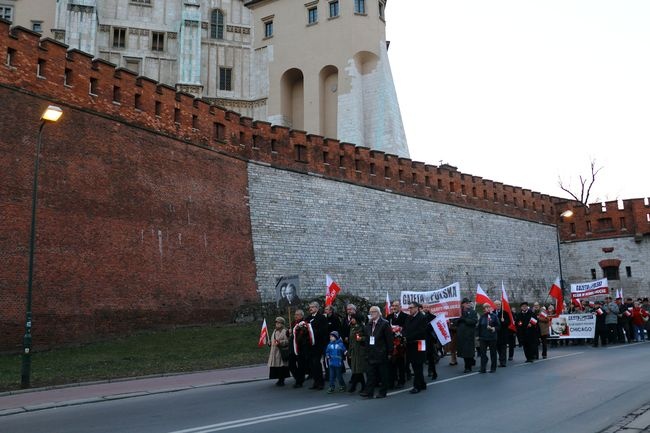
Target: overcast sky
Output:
{"points": [[522, 91]]}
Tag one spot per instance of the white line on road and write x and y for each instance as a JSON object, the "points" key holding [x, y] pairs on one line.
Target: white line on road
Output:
{"points": [[627, 345], [436, 382], [260, 419], [552, 357]]}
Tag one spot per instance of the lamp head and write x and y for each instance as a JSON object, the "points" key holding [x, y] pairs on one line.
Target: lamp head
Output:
{"points": [[52, 113]]}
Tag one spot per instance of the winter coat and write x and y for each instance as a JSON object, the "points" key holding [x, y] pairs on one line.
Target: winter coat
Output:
{"points": [[415, 329], [466, 333], [638, 314], [378, 353], [544, 323], [357, 350], [275, 359], [612, 311], [335, 352], [525, 330], [483, 332], [504, 332]]}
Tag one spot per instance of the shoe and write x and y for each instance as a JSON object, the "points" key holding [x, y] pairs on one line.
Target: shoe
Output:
{"points": [[365, 395], [383, 395], [342, 389], [330, 390], [434, 376], [502, 365], [544, 356], [297, 385], [353, 387], [509, 359], [414, 391], [529, 360], [467, 370], [279, 383], [493, 371], [399, 386], [482, 371]]}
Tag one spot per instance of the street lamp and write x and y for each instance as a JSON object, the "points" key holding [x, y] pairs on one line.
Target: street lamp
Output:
{"points": [[565, 214], [51, 114]]}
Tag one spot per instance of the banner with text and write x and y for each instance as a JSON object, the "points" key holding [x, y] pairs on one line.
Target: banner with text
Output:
{"points": [[443, 301], [439, 325], [573, 326], [592, 288]]}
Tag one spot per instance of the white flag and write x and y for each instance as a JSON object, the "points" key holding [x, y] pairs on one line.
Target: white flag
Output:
{"points": [[439, 325]]}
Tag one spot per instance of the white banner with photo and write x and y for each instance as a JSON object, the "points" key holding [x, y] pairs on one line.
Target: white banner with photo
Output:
{"points": [[442, 301], [573, 326]]}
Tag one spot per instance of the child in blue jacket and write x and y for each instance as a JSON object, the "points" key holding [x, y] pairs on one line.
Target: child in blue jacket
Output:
{"points": [[335, 353]]}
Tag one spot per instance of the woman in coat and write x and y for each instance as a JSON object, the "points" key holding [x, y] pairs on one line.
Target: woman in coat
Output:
{"points": [[279, 368], [466, 334], [357, 352]]}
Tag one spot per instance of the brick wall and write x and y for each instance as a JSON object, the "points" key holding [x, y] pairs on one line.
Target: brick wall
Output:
{"points": [[134, 229]]}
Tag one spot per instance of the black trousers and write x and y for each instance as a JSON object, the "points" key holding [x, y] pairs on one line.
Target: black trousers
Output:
{"points": [[398, 370], [602, 334], [418, 375], [377, 373], [512, 343], [484, 346], [530, 348], [612, 332], [316, 368], [298, 365], [502, 351], [544, 339]]}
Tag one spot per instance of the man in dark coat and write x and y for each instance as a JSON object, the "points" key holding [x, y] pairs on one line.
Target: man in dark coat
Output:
{"points": [[380, 348], [397, 367], [527, 331], [601, 327], [466, 334], [503, 333], [318, 324], [300, 346], [488, 327], [415, 333]]}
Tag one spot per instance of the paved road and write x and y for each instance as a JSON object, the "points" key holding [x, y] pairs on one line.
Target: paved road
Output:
{"points": [[578, 389]]}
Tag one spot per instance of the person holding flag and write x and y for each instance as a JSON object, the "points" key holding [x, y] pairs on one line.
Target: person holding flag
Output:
{"points": [[466, 334], [601, 325], [503, 333], [556, 293], [488, 327], [332, 290], [527, 330], [415, 333], [279, 355], [511, 326]]}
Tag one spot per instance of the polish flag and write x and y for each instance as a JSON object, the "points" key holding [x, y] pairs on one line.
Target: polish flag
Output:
{"points": [[422, 345], [333, 289], [618, 294], [556, 292], [507, 309], [482, 297], [576, 302], [627, 313], [264, 335], [533, 321], [387, 307], [592, 304], [543, 314], [599, 312], [621, 293]]}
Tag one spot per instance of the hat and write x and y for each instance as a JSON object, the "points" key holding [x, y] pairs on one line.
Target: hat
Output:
{"points": [[280, 319], [523, 303], [335, 334], [465, 301]]}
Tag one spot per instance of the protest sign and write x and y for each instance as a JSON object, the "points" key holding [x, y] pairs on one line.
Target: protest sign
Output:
{"points": [[442, 301], [573, 326]]}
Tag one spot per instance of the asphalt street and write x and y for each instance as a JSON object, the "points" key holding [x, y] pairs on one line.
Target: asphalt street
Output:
{"points": [[577, 389]]}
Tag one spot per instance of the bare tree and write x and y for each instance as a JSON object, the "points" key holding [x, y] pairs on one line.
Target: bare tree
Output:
{"points": [[585, 185]]}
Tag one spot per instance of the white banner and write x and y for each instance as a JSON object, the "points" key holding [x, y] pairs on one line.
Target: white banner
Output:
{"points": [[573, 326], [592, 288], [444, 301], [439, 325]]}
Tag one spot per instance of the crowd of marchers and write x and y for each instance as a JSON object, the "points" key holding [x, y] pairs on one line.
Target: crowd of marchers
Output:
{"points": [[382, 353]]}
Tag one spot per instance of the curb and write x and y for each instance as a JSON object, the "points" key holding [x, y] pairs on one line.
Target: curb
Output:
{"points": [[636, 422]]}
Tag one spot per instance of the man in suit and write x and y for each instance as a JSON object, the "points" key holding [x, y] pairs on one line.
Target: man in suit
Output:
{"points": [[380, 348], [527, 330], [318, 323], [415, 332], [488, 327], [503, 333], [397, 367]]}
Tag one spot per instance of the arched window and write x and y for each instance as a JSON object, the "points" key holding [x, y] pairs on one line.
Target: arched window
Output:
{"points": [[216, 24]]}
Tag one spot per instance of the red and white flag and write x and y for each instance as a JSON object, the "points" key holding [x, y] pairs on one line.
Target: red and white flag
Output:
{"points": [[422, 345], [576, 302], [333, 289], [621, 296], [264, 335], [599, 312], [387, 307], [302, 327], [507, 309], [440, 327], [543, 314], [618, 294], [556, 293], [533, 321], [627, 313], [592, 304], [482, 297]]}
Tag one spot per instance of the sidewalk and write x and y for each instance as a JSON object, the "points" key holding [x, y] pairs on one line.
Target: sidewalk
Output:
{"points": [[45, 398], [636, 422]]}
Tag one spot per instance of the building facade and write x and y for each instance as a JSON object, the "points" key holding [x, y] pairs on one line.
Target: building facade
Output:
{"points": [[320, 67], [36, 15]]}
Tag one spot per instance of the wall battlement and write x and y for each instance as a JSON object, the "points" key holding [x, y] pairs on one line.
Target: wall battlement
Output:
{"points": [[70, 77], [606, 220]]}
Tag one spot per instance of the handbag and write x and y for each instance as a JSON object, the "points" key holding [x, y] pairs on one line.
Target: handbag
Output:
{"points": [[284, 352]]}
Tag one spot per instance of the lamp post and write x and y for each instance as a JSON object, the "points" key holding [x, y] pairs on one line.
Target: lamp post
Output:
{"points": [[565, 214], [51, 114]]}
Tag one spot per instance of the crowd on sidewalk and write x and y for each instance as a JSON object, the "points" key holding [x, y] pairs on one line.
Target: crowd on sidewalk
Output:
{"points": [[386, 353]]}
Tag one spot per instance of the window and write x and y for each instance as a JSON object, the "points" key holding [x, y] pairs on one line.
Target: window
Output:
{"points": [[119, 37], [360, 7], [37, 26], [334, 9], [589, 226], [137, 101], [117, 94], [622, 223], [372, 169], [387, 172], [141, 2], [132, 64], [94, 84], [216, 24], [40, 68], [605, 224], [573, 228], [628, 271], [312, 15], [225, 78], [67, 77], [611, 273], [158, 108], [357, 165], [268, 29], [274, 145], [10, 56], [301, 153], [177, 115], [593, 273], [219, 131], [158, 41], [195, 121], [341, 161], [382, 6], [325, 157], [7, 13]]}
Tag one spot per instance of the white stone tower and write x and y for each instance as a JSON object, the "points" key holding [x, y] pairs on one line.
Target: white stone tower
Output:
{"points": [[328, 72]]}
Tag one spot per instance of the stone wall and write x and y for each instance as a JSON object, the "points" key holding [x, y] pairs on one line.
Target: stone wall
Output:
{"points": [[372, 242]]}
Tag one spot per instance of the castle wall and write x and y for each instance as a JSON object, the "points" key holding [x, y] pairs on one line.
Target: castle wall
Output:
{"points": [[372, 242]]}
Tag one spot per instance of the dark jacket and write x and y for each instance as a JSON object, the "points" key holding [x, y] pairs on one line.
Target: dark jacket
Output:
{"points": [[415, 329], [358, 349], [493, 321], [400, 320], [466, 333], [378, 352], [525, 330], [321, 336], [504, 333], [333, 323]]}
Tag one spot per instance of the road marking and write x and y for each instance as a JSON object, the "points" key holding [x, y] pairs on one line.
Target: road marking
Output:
{"points": [[260, 419], [628, 345], [437, 382], [548, 359]]}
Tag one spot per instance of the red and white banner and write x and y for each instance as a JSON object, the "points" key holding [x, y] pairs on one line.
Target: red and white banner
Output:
{"points": [[264, 335], [333, 289], [592, 288], [442, 301], [439, 325], [482, 297], [506, 307], [556, 293]]}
